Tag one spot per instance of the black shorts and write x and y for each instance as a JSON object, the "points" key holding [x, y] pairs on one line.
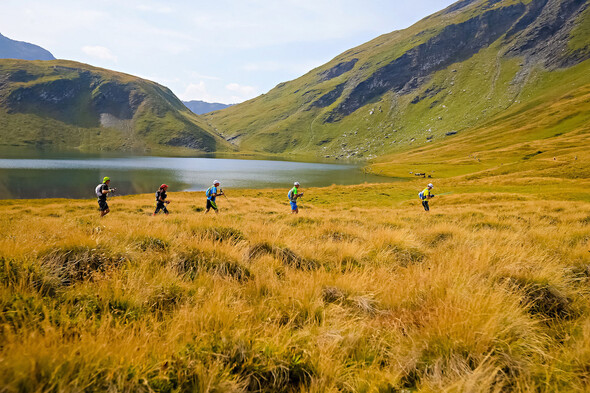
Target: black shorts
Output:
{"points": [[211, 205], [161, 206], [103, 205]]}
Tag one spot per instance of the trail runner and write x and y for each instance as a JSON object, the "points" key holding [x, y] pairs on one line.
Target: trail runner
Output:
{"points": [[101, 192], [161, 201], [211, 193], [425, 195], [293, 195]]}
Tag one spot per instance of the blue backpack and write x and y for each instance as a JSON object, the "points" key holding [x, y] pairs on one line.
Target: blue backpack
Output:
{"points": [[209, 192], [421, 195]]}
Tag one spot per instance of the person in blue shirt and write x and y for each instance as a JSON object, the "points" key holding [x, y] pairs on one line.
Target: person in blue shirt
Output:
{"points": [[211, 193]]}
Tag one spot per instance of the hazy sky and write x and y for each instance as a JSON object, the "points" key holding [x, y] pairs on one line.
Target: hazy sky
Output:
{"points": [[217, 51]]}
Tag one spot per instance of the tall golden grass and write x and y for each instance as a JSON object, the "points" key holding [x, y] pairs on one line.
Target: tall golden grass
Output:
{"points": [[487, 293]]}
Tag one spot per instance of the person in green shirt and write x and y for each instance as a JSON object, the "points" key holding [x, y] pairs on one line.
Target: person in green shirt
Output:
{"points": [[293, 195], [425, 195]]}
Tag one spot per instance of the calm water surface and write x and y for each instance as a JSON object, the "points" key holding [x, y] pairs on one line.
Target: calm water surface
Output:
{"points": [[73, 175]]}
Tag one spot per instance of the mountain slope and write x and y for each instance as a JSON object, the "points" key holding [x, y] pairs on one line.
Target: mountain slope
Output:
{"points": [[64, 104], [11, 49], [202, 107], [452, 72]]}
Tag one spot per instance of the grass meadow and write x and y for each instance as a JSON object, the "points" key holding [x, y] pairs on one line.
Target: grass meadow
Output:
{"points": [[361, 292]]}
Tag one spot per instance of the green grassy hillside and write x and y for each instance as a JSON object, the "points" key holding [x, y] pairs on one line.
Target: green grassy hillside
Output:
{"points": [[460, 71], [67, 105]]}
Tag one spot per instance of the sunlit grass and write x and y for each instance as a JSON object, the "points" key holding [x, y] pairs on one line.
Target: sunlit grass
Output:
{"points": [[362, 291]]}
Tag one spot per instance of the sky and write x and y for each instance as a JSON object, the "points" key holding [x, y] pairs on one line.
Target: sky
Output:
{"points": [[225, 51]]}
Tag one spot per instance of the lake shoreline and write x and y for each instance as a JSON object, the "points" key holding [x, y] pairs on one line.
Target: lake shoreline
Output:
{"points": [[75, 177]]}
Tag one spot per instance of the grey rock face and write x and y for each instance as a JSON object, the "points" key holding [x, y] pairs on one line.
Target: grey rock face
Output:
{"points": [[455, 43], [538, 31]]}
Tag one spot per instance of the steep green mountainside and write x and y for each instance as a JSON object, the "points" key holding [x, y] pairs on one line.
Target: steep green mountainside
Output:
{"points": [[63, 104], [465, 70]]}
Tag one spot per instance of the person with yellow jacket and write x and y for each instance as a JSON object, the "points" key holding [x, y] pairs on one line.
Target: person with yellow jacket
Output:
{"points": [[425, 195]]}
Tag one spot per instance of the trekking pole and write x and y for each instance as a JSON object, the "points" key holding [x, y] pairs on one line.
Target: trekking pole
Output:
{"points": [[227, 199], [446, 193]]}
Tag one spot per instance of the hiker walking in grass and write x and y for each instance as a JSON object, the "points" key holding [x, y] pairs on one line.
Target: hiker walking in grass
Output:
{"points": [[101, 192], [161, 201], [293, 195], [425, 195], [211, 193]]}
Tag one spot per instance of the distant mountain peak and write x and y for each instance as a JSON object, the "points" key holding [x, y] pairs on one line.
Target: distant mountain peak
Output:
{"points": [[201, 107], [11, 49]]}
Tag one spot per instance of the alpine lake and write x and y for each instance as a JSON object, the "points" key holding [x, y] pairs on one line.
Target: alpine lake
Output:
{"points": [[30, 174]]}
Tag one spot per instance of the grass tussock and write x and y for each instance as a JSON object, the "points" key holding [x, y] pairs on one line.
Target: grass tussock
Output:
{"points": [[491, 295], [190, 263]]}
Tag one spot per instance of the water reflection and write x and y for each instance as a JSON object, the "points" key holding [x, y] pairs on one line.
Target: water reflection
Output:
{"points": [[76, 176]]}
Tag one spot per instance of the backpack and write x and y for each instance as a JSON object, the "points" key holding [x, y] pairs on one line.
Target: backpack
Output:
{"points": [[98, 190], [209, 192], [290, 194], [421, 195]]}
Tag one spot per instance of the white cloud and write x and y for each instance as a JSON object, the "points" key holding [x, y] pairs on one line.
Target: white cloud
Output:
{"points": [[99, 52], [196, 91], [245, 91]]}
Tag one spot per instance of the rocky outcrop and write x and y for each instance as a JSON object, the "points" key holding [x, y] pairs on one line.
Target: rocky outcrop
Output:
{"points": [[455, 43], [201, 142], [337, 70], [119, 100], [84, 93], [542, 35], [330, 97]]}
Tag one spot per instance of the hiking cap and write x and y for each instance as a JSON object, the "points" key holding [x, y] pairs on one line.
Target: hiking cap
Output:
{"points": [[296, 183], [164, 186], [430, 185], [215, 182], [106, 179]]}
